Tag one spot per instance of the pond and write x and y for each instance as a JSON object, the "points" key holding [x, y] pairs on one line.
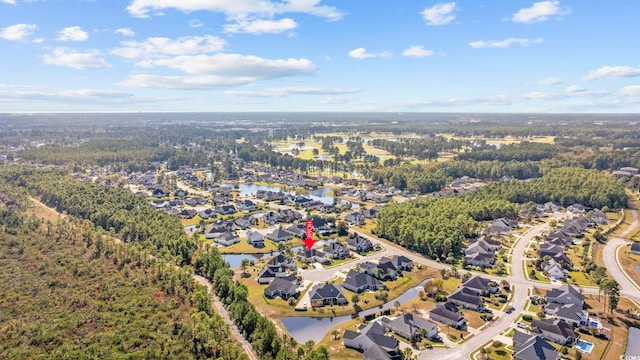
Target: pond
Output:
{"points": [[308, 328], [324, 195]]}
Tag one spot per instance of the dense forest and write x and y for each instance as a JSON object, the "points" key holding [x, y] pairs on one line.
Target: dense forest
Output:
{"points": [[66, 293], [131, 218]]}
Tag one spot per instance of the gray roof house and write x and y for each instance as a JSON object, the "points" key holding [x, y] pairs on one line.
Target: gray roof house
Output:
{"points": [[359, 244], [226, 238], [282, 287], [326, 294], [255, 238], [556, 330], [371, 339], [553, 270], [467, 298], [313, 255], [408, 326], [482, 285], [448, 313], [284, 261], [279, 235], [566, 294], [298, 230], [633, 348], [400, 262], [335, 250], [532, 347], [359, 282], [569, 313]]}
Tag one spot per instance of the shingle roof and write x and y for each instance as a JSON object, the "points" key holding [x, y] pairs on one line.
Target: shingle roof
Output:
{"points": [[530, 347]]}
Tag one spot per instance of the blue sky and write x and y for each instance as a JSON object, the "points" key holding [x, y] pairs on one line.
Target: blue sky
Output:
{"points": [[319, 55]]}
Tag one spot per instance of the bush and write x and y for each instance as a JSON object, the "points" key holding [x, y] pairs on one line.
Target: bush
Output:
{"points": [[440, 298], [527, 317]]}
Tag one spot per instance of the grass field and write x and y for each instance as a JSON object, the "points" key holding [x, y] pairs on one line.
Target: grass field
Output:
{"points": [[243, 247]]}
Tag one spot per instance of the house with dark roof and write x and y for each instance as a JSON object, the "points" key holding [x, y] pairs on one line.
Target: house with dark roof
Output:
{"points": [[577, 208], [373, 342], [226, 238], [270, 272], [633, 348], [359, 244], [336, 251], [448, 313], [410, 326], [285, 261], [244, 222], [481, 285], [386, 271], [298, 230], [279, 235], [359, 282], [501, 226], [355, 218], [400, 262], [570, 313], [556, 330], [532, 347], [326, 294], [312, 255], [467, 298], [255, 238], [481, 252], [226, 209], [246, 204], [371, 213], [188, 213], [283, 287], [565, 294]]}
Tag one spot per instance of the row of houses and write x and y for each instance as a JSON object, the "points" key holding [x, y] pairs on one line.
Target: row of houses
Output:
{"points": [[481, 252]]}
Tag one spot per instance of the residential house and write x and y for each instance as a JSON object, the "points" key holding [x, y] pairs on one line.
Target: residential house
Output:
{"points": [[481, 285], [188, 213], [359, 244], [481, 252], [268, 273], [577, 208], [359, 282], [285, 261], [206, 214], [467, 298], [326, 294], [298, 230], [565, 294], [570, 313], [226, 209], [501, 226], [553, 270], [371, 213], [244, 222], [532, 347], [313, 255], [635, 248], [282, 287], [373, 342], [448, 313], [246, 204], [279, 235], [336, 251], [552, 206], [598, 217], [557, 331], [226, 238], [355, 218], [410, 327], [400, 262], [255, 238]]}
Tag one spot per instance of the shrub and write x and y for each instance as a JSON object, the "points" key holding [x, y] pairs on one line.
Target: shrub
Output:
{"points": [[527, 317]]}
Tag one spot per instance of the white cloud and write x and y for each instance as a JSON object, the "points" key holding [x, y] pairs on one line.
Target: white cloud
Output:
{"points": [[361, 53], [294, 90], [125, 32], [67, 96], [232, 8], [504, 43], [208, 71], [62, 56], [631, 90], [417, 51], [10, 2], [574, 89], [17, 32], [195, 23], [439, 14], [38, 40], [613, 72], [538, 12], [72, 33], [549, 81], [261, 26], [334, 100], [161, 46]]}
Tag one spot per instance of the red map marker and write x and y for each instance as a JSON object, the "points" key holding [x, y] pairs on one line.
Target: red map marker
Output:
{"points": [[309, 242]]}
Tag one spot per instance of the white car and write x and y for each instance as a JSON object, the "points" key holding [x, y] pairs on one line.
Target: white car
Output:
{"points": [[521, 325]]}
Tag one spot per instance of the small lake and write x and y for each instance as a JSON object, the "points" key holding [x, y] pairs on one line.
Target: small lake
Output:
{"points": [[638, 268], [308, 328], [324, 195]]}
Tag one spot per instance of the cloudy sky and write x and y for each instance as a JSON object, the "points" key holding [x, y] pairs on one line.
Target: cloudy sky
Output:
{"points": [[319, 55]]}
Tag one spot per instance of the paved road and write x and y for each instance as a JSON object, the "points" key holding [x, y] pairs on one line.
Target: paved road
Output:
{"points": [[225, 315], [609, 254]]}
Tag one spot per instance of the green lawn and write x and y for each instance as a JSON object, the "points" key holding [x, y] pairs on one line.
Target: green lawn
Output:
{"points": [[243, 247]]}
